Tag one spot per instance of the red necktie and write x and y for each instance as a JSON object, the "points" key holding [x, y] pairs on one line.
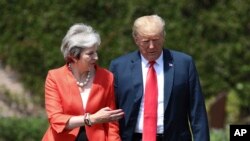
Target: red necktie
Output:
{"points": [[150, 105]]}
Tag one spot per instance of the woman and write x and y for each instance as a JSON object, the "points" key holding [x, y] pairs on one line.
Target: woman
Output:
{"points": [[79, 96]]}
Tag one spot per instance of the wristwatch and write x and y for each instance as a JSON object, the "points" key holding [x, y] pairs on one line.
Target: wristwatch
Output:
{"points": [[87, 120]]}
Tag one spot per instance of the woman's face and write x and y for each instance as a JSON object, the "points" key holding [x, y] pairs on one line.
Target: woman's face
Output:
{"points": [[87, 59]]}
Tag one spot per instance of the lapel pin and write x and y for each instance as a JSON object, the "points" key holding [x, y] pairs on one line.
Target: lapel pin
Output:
{"points": [[170, 64]]}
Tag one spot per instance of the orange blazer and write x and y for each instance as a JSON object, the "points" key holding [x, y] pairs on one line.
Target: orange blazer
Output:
{"points": [[63, 100]]}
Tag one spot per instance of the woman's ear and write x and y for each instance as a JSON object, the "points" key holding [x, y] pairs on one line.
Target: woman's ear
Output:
{"points": [[74, 60]]}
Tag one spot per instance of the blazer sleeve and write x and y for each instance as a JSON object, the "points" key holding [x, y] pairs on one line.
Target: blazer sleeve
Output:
{"points": [[197, 111], [53, 104], [113, 127]]}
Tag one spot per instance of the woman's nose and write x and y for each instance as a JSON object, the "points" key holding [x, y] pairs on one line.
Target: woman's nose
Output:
{"points": [[95, 56]]}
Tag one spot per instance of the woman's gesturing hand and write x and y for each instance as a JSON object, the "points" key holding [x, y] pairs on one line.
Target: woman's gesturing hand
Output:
{"points": [[106, 115]]}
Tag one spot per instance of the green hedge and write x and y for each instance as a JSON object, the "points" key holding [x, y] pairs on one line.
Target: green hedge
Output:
{"points": [[32, 129], [215, 33], [22, 129], [219, 134]]}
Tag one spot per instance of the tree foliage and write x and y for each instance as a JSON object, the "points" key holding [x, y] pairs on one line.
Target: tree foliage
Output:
{"points": [[215, 33]]}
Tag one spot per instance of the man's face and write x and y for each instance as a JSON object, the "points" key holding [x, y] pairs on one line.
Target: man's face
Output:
{"points": [[150, 46]]}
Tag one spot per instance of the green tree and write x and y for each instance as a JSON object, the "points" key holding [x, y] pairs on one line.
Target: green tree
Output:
{"points": [[215, 33]]}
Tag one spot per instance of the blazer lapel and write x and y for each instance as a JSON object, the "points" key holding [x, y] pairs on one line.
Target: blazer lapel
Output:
{"points": [[96, 93], [168, 76], [73, 91]]}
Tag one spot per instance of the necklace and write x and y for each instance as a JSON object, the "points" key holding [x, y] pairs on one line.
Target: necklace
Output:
{"points": [[81, 84]]}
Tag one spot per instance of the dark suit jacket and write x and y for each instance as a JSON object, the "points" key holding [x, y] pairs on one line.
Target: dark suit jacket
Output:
{"points": [[185, 115]]}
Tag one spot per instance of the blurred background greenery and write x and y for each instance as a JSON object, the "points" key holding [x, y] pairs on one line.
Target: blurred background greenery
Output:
{"points": [[215, 32]]}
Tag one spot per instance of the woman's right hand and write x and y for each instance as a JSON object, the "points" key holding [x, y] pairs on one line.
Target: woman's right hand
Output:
{"points": [[106, 115]]}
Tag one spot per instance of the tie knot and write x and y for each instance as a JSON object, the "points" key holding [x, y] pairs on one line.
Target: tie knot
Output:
{"points": [[151, 63]]}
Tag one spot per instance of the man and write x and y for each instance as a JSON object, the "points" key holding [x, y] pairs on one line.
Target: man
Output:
{"points": [[158, 89]]}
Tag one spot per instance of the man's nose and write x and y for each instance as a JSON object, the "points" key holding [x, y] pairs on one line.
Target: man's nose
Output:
{"points": [[151, 44]]}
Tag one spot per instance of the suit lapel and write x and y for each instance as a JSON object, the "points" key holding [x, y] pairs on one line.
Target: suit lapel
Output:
{"points": [[168, 76], [136, 74], [137, 82], [138, 85]]}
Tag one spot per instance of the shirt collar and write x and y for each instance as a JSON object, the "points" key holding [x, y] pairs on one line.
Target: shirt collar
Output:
{"points": [[158, 61]]}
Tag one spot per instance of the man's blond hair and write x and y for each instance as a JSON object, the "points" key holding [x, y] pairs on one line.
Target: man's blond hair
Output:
{"points": [[148, 25]]}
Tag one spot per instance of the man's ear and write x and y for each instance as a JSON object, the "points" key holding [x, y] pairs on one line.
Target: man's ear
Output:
{"points": [[136, 40]]}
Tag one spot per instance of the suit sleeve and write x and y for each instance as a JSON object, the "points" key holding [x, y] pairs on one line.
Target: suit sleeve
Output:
{"points": [[113, 128], [197, 111], [53, 105]]}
